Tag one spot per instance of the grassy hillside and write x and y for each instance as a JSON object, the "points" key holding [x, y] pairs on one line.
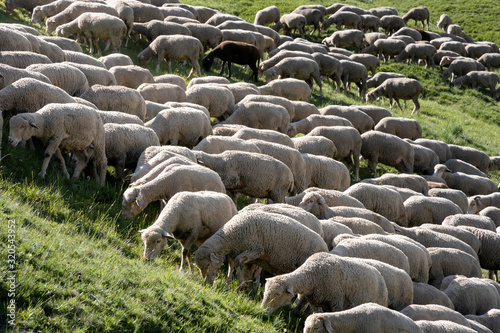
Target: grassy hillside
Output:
{"points": [[78, 261]]}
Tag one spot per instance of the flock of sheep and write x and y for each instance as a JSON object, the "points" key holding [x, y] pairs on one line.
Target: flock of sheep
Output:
{"points": [[396, 253]]}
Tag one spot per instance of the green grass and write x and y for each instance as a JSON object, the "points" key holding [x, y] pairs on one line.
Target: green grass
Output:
{"points": [[79, 261]]}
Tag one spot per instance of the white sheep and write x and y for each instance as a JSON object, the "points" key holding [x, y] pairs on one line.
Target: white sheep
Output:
{"points": [[162, 92], [131, 76], [444, 21], [399, 88], [416, 52], [385, 48], [477, 203], [70, 79], [154, 28], [290, 23], [314, 17], [471, 155], [441, 149], [456, 196], [62, 126], [475, 51], [461, 66], [172, 79], [40, 12], [189, 217], [417, 14], [478, 79], [118, 117], [271, 61], [359, 120], [208, 35], [377, 113], [343, 19], [268, 15], [490, 60], [256, 237], [22, 59], [425, 158], [356, 73], [326, 280], [316, 145], [449, 261], [470, 220], [457, 165], [262, 115], [219, 100], [424, 294], [470, 184], [174, 47], [369, 61], [401, 127], [287, 104], [307, 124], [293, 89], [96, 75], [420, 210], [433, 312], [346, 38], [391, 23], [214, 144], [442, 326], [247, 133], [115, 59], [331, 198], [9, 75]]}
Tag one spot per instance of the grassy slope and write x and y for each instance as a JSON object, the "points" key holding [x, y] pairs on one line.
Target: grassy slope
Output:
{"points": [[79, 260]]}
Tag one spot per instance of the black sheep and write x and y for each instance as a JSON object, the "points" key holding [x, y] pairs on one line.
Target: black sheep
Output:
{"points": [[237, 52]]}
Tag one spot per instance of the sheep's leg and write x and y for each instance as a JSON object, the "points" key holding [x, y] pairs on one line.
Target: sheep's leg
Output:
{"points": [[99, 51], [222, 68], [169, 66], [356, 165], [108, 43], [230, 269], [63, 163], [229, 69], [196, 66], [397, 102], [49, 151], [374, 162], [186, 252], [416, 107], [249, 255]]}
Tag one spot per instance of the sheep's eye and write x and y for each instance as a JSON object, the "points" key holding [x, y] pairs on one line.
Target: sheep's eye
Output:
{"points": [[158, 241]]}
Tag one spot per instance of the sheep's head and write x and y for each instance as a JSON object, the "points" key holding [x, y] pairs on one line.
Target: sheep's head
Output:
{"points": [[207, 63], [475, 205], [372, 95], [459, 82], [312, 202], [208, 262], [292, 131], [316, 323], [50, 25], [271, 74], [144, 56], [440, 170], [155, 239], [35, 16], [22, 127], [60, 31], [133, 202], [277, 293]]}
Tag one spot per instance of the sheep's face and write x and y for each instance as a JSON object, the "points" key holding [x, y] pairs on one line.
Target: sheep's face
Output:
{"points": [[475, 205], [441, 170], [35, 17], [292, 131], [277, 293], [459, 82], [143, 59], [154, 239], [311, 203], [206, 63], [133, 203], [271, 74], [317, 324], [208, 263], [60, 32], [371, 96], [51, 25], [21, 129]]}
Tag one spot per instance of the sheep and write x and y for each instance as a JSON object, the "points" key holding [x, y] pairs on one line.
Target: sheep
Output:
{"points": [[456, 196], [489, 319], [457, 165], [377, 113], [381, 200], [441, 149], [181, 126], [348, 142], [189, 217], [460, 233], [369, 61], [144, 12], [460, 67], [346, 19], [346, 38], [115, 59], [287, 104], [307, 124], [172, 79], [169, 10], [381, 11], [360, 120], [471, 155], [265, 65], [131, 76], [321, 196], [299, 68], [444, 21], [219, 18], [488, 253], [305, 109], [425, 159], [116, 98], [78, 58], [442, 326], [95, 75], [413, 182], [417, 14], [291, 22], [372, 37], [162, 92], [274, 229], [65, 44], [326, 173], [347, 215], [475, 79], [471, 185], [40, 12], [416, 52], [471, 296], [208, 35], [475, 51], [9, 75], [331, 230], [316, 271], [490, 60], [268, 15], [401, 127], [386, 48], [433, 312], [118, 117], [313, 17], [173, 47], [247, 133], [71, 126], [493, 213], [22, 59], [477, 203], [420, 210], [213, 144], [12, 40], [455, 46], [64, 76], [449, 261], [10, 5], [232, 51], [239, 174], [399, 88], [391, 23], [328, 67], [375, 318], [293, 89], [154, 28], [219, 100], [424, 294], [262, 115], [356, 73], [388, 149], [316, 145], [208, 79]]}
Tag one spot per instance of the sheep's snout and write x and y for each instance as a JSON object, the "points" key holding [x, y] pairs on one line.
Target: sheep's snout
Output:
{"points": [[13, 141]]}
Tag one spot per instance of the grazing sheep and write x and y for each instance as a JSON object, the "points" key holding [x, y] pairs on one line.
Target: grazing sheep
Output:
{"points": [[442, 326], [417, 52], [154, 28], [368, 317], [162, 92], [425, 158], [391, 23], [457, 165], [475, 51], [218, 99], [471, 295], [116, 98], [287, 104], [424, 294], [413, 182], [475, 79], [449, 261], [316, 145], [247, 133], [70, 79], [326, 173], [460, 67], [455, 46], [370, 23], [344, 214], [346, 38], [238, 238], [51, 8], [417, 14], [118, 117], [268, 15], [62, 126], [456, 196], [313, 17], [265, 65], [9, 75], [213, 144], [324, 269], [444, 21], [293, 89], [359, 120], [471, 155], [401, 127], [22, 59], [385, 48], [433, 312], [173, 47], [232, 51], [356, 73], [477, 203], [96, 75], [369, 61], [307, 124], [381, 200], [469, 184], [116, 59], [331, 198], [490, 319], [343, 19], [262, 115], [420, 210], [189, 217], [388, 149], [399, 88], [490, 60], [291, 22], [377, 113], [208, 35], [241, 173], [219, 18], [181, 126], [348, 142], [441, 149]]}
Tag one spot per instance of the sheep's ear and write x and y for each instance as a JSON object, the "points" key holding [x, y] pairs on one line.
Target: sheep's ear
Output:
{"points": [[327, 325], [289, 289], [199, 161], [167, 235], [321, 201], [142, 231], [214, 258], [32, 124], [139, 200]]}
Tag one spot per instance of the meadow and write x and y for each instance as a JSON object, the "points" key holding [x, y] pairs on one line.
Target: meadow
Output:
{"points": [[78, 262]]}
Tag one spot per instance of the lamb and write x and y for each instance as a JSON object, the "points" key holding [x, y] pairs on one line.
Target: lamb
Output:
{"points": [[471, 296], [346, 38], [448, 261], [399, 88], [433, 312], [416, 52], [489, 319], [71, 126], [381, 200], [181, 126], [424, 294], [235, 238], [316, 145], [96, 26], [208, 35], [247, 133], [475, 79], [360, 120], [189, 217], [22, 59], [460, 67], [116, 98], [348, 275], [347, 19], [477, 203], [469, 184], [388, 149], [268, 15], [375, 318], [418, 256], [154, 28], [418, 14], [262, 115], [307, 124], [70, 79], [162, 92], [173, 47], [241, 173], [293, 89], [175, 178], [456, 196], [420, 210], [95, 75], [386, 48], [356, 73], [391, 23], [218, 99]]}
